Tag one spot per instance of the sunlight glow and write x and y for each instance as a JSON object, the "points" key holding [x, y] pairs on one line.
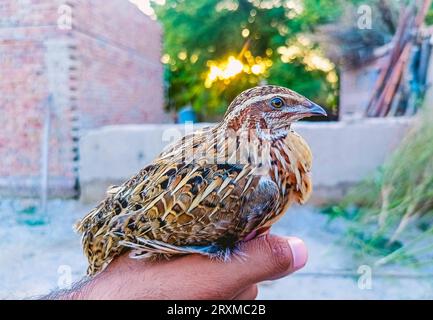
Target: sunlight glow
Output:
{"points": [[245, 33], [182, 55], [267, 4], [296, 7], [316, 62], [145, 7], [223, 71], [230, 68], [165, 58], [230, 5], [258, 68], [302, 49], [194, 58]]}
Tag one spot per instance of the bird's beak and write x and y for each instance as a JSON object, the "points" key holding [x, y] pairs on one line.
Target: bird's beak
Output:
{"points": [[315, 110]]}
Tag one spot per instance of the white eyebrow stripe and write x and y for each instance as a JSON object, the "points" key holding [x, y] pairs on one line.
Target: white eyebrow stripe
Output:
{"points": [[258, 99]]}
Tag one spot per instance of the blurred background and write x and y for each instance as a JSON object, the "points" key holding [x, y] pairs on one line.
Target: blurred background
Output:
{"points": [[91, 91]]}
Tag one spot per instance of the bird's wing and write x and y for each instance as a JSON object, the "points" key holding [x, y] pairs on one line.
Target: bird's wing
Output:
{"points": [[183, 203], [196, 210], [262, 205]]}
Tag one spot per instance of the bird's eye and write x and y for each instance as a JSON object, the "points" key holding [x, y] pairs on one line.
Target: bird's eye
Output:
{"points": [[277, 102]]}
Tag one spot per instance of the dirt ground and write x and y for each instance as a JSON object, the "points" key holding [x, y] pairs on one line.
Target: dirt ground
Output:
{"points": [[40, 253]]}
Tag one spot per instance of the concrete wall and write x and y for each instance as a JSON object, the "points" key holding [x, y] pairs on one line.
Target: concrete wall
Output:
{"points": [[344, 152]]}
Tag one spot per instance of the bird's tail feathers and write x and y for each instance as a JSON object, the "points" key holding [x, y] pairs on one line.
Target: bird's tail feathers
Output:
{"points": [[147, 249], [159, 247]]}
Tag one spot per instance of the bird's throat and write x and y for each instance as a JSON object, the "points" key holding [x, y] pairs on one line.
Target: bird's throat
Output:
{"points": [[272, 134]]}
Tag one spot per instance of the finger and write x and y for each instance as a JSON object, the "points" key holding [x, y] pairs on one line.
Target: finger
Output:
{"points": [[249, 293], [265, 258], [270, 257]]}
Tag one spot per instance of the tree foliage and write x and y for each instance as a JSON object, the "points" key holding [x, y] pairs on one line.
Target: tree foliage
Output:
{"points": [[270, 33]]}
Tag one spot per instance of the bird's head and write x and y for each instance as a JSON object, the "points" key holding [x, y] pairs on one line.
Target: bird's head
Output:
{"points": [[270, 109]]}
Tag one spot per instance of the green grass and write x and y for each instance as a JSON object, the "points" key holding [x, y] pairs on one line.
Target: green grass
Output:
{"points": [[392, 211], [31, 216]]}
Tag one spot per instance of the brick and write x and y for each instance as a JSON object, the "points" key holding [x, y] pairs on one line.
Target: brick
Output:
{"points": [[104, 70]]}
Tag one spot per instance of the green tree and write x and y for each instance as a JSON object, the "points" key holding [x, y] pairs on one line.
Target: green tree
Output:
{"points": [[269, 37]]}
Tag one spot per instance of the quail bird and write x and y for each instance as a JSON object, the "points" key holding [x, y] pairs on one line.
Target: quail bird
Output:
{"points": [[211, 190]]}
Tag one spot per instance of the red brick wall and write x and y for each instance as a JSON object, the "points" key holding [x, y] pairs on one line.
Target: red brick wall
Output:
{"points": [[104, 70]]}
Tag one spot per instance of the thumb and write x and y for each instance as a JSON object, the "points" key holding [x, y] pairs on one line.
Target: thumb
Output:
{"points": [[268, 258]]}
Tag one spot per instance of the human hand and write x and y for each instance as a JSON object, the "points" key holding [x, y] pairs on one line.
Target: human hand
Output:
{"points": [[194, 276]]}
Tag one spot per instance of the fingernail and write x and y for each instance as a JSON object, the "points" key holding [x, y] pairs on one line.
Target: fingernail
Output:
{"points": [[299, 252]]}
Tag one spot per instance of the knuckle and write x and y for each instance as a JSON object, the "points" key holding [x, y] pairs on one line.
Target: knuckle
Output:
{"points": [[279, 253]]}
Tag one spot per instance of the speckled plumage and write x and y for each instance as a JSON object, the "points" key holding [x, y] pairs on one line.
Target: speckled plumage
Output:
{"points": [[210, 190]]}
